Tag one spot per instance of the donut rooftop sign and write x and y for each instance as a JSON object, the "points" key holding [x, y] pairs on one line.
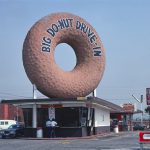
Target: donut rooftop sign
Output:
{"points": [[69, 23], [38, 56]]}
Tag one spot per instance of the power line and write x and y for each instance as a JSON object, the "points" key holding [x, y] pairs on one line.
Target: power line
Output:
{"points": [[10, 94]]}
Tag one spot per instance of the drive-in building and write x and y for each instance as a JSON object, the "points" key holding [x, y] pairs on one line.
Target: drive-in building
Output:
{"points": [[76, 117]]}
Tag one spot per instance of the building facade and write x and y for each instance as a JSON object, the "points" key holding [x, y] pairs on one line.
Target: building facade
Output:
{"points": [[76, 117]]}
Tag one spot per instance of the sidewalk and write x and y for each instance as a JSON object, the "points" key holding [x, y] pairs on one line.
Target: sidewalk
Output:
{"points": [[75, 138]]}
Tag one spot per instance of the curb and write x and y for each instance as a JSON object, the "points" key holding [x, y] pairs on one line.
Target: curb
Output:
{"points": [[75, 138]]}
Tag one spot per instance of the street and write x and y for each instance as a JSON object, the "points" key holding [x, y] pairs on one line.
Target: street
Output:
{"points": [[121, 141]]}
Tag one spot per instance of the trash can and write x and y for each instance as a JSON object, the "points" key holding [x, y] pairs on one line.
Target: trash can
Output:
{"points": [[116, 129], [39, 133]]}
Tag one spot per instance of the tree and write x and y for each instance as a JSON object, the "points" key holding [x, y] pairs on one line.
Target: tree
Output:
{"points": [[147, 110]]}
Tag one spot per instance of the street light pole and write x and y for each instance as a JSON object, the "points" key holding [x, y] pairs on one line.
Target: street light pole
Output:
{"points": [[141, 109], [141, 102]]}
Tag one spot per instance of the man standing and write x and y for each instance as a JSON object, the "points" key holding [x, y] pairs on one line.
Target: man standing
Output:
{"points": [[49, 126], [53, 124]]}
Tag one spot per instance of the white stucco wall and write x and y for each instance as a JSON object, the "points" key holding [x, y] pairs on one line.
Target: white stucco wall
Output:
{"points": [[102, 117]]}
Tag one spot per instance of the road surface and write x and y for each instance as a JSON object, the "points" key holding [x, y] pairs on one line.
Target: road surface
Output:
{"points": [[121, 141]]}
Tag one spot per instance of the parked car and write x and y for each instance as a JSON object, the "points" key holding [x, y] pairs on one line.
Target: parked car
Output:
{"points": [[139, 127], [13, 131], [4, 124]]}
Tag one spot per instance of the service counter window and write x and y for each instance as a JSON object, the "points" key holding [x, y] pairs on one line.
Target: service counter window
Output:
{"points": [[71, 116], [67, 116]]}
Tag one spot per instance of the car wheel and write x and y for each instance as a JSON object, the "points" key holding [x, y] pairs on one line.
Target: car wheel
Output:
{"points": [[3, 136]]}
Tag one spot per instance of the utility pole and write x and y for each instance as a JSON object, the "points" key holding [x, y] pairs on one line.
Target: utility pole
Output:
{"points": [[34, 109], [141, 102], [94, 93], [34, 92]]}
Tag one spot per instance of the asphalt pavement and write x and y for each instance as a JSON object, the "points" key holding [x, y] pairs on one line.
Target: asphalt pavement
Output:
{"points": [[112, 141]]}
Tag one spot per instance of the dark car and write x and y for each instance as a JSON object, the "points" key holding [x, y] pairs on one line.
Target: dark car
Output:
{"points": [[139, 127], [13, 131]]}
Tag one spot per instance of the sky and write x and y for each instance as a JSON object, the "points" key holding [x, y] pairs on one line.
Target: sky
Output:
{"points": [[123, 26]]}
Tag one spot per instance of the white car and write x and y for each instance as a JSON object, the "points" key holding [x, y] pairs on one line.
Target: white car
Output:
{"points": [[4, 124]]}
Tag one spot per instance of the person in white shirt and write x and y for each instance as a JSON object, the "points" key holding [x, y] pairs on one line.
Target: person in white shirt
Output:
{"points": [[51, 124], [48, 123]]}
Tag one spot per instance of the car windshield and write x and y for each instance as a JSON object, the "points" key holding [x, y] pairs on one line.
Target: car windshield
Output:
{"points": [[14, 126]]}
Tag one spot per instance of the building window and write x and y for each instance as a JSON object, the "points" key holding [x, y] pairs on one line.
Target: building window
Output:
{"points": [[67, 116], [27, 112]]}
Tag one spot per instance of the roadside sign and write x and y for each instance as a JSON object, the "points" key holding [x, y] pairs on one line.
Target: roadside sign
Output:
{"points": [[144, 137], [148, 96]]}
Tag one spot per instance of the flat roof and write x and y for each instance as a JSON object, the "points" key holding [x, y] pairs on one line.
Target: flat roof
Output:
{"points": [[114, 107], [88, 100]]}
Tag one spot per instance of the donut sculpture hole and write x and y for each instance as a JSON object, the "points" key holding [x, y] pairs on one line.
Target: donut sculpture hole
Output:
{"points": [[39, 56], [65, 57]]}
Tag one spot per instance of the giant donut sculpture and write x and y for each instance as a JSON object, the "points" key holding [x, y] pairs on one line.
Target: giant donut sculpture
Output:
{"points": [[38, 56]]}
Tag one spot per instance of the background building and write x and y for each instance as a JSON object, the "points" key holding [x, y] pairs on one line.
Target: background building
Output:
{"points": [[11, 112]]}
